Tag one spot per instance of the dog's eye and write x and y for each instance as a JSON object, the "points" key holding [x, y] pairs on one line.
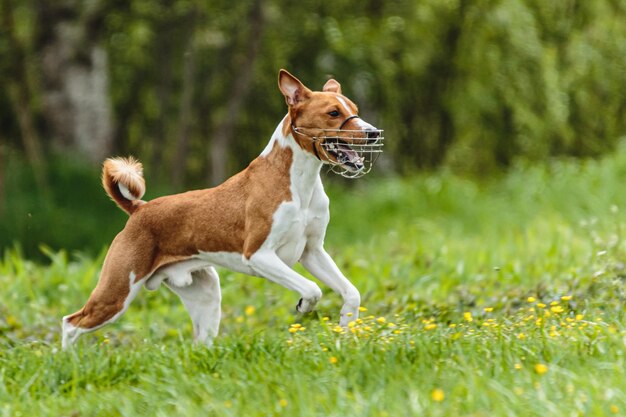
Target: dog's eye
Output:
{"points": [[334, 113]]}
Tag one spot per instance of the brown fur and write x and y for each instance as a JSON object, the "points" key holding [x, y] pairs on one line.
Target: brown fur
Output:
{"points": [[235, 216]]}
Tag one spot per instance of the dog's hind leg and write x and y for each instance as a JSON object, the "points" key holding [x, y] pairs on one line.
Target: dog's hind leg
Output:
{"points": [[123, 274], [202, 299], [105, 305]]}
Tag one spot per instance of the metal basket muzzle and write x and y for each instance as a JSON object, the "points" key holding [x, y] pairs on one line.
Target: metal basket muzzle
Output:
{"points": [[350, 153]]}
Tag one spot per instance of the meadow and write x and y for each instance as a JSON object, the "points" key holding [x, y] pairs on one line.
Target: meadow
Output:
{"points": [[499, 297]]}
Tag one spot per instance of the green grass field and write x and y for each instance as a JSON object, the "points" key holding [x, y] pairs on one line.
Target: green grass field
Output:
{"points": [[498, 298]]}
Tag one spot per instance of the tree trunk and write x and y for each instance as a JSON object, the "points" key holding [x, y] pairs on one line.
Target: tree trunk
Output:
{"points": [[76, 100], [224, 131]]}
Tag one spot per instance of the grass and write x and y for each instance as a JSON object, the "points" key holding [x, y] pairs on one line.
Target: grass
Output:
{"points": [[498, 298]]}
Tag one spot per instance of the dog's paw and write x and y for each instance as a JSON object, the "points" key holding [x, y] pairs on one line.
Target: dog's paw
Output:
{"points": [[306, 306]]}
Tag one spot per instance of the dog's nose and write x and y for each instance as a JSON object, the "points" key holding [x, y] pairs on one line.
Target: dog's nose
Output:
{"points": [[373, 133]]}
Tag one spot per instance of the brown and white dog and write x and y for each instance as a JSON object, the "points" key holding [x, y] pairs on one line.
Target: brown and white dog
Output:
{"points": [[260, 222]]}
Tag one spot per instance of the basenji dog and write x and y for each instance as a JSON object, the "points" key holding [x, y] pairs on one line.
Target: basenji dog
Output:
{"points": [[259, 222]]}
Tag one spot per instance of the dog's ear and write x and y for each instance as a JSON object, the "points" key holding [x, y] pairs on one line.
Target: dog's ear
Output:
{"points": [[332, 86], [291, 87]]}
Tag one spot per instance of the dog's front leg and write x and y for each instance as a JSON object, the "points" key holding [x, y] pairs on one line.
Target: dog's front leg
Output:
{"points": [[319, 263], [268, 265]]}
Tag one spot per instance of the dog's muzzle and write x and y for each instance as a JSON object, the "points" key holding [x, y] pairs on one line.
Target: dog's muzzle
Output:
{"points": [[350, 153]]}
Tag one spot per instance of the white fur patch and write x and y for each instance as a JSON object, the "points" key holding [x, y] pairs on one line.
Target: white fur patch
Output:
{"points": [[126, 192], [344, 104]]}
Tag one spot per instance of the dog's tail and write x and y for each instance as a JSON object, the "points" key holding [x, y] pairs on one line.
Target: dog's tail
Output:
{"points": [[122, 179]]}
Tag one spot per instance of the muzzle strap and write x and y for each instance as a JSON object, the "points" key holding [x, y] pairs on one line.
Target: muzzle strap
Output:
{"points": [[347, 120]]}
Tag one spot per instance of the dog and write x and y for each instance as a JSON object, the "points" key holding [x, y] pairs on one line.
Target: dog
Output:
{"points": [[259, 222]]}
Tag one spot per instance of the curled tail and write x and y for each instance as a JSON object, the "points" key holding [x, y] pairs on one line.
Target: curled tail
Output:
{"points": [[122, 179]]}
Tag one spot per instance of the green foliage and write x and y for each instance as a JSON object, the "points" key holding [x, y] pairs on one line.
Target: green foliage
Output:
{"points": [[474, 85], [446, 267]]}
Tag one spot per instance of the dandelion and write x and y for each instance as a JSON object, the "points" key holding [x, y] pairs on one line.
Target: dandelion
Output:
{"points": [[541, 305], [557, 309], [362, 309], [488, 309], [349, 314], [438, 395], [338, 329], [333, 360], [283, 403], [579, 317], [352, 324], [521, 336], [531, 299], [249, 310], [541, 368], [296, 325], [468, 316], [518, 366], [614, 409], [430, 326], [381, 320], [554, 303], [325, 318], [566, 297]]}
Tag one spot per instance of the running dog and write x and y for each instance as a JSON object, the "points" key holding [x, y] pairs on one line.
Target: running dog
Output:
{"points": [[259, 222]]}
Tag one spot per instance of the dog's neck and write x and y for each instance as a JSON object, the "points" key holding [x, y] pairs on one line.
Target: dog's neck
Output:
{"points": [[305, 167]]}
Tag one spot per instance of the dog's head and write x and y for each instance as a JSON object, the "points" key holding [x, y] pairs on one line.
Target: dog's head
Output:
{"points": [[326, 124]]}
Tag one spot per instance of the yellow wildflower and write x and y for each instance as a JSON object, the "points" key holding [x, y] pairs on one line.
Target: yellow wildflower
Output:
{"points": [[541, 368], [381, 320], [557, 309], [468, 316], [249, 310], [518, 366], [362, 309], [531, 299], [430, 326], [438, 395], [283, 403], [296, 325], [333, 360], [566, 297], [488, 309], [541, 305]]}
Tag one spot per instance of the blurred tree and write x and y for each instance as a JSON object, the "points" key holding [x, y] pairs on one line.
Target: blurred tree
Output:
{"points": [[75, 89], [473, 84]]}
